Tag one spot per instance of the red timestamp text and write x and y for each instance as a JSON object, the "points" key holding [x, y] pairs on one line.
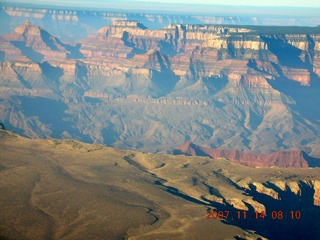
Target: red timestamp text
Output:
{"points": [[244, 215], [213, 214]]}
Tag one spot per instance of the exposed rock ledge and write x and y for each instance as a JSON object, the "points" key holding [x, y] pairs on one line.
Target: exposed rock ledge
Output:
{"points": [[292, 158]]}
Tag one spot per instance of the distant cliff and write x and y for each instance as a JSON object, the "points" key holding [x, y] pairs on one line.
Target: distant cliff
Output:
{"points": [[293, 158], [255, 89], [61, 23]]}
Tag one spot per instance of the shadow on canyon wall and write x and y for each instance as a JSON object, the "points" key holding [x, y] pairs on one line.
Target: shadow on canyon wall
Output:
{"points": [[53, 114], [28, 51]]}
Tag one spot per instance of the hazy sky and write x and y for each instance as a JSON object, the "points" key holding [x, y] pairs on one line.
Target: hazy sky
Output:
{"points": [[306, 3], [100, 3]]}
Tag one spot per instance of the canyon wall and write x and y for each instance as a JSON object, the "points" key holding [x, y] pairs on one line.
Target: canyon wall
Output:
{"points": [[241, 88]]}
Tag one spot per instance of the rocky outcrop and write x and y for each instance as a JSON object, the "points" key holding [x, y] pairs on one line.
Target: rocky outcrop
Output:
{"points": [[244, 87], [184, 50], [23, 73], [281, 189], [8, 50], [35, 43], [293, 158], [204, 51], [141, 99]]}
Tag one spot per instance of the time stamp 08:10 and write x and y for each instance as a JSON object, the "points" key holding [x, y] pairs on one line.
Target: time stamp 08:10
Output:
{"points": [[245, 215]]}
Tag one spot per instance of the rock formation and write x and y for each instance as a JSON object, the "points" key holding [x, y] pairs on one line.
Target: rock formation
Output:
{"points": [[36, 43], [293, 158], [234, 87]]}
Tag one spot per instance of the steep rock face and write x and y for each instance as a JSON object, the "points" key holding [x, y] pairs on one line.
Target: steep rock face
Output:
{"points": [[35, 43], [316, 188], [126, 42], [282, 159], [246, 61], [8, 76], [261, 188], [278, 189], [113, 47], [232, 87], [148, 78], [193, 49], [24, 73], [9, 51], [123, 39]]}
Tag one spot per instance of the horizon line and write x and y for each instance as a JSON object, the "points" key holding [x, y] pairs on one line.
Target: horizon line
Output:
{"points": [[190, 8]]}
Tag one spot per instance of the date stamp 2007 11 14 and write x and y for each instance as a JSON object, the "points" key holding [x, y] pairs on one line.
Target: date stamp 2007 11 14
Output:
{"points": [[245, 215]]}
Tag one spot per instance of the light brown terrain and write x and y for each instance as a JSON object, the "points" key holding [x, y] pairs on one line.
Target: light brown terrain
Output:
{"points": [[65, 189]]}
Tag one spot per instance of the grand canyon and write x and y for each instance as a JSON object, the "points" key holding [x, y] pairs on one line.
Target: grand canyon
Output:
{"points": [[102, 106]]}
